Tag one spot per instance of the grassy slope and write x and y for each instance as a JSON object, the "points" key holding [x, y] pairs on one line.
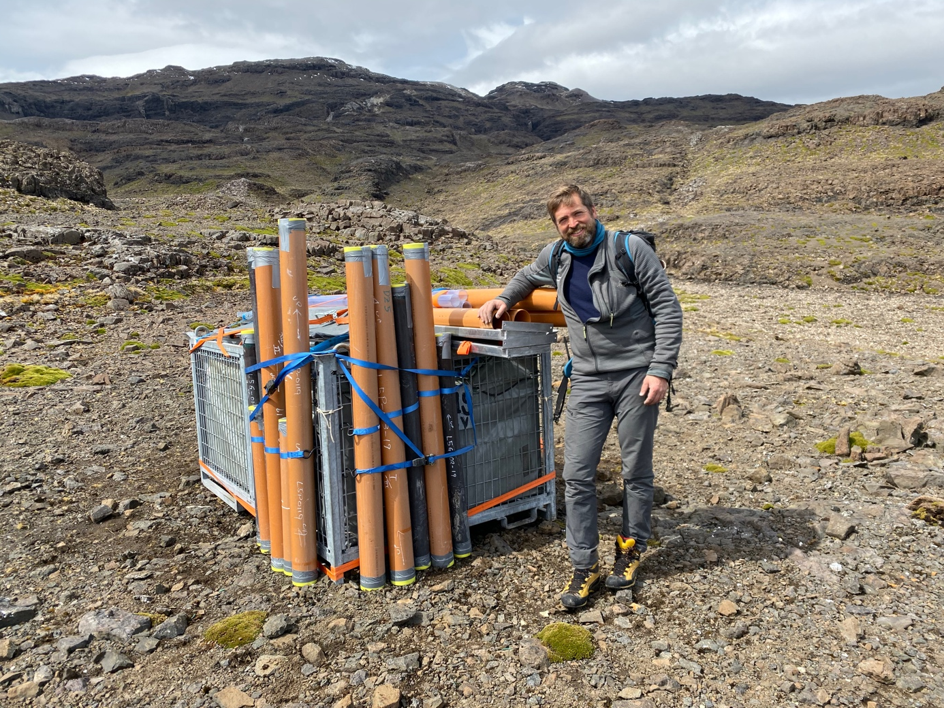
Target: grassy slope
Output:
{"points": [[843, 193]]}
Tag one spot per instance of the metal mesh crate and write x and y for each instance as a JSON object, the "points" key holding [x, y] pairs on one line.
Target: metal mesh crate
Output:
{"points": [[510, 392], [511, 409], [221, 397], [334, 463], [512, 412]]}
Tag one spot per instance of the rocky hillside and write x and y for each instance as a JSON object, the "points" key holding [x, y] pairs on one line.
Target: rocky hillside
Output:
{"points": [[309, 125], [50, 173]]}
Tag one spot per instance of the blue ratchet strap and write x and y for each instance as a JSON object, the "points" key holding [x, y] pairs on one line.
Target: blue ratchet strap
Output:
{"points": [[392, 414], [373, 406], [295, 455], [422, 459], [257, 439], [297, 361], [273, 450]]}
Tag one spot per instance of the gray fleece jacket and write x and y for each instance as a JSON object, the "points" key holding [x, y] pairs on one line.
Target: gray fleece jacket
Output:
{"points": [[624, 336]]}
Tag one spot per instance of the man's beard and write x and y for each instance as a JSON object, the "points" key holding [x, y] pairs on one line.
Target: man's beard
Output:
{"points": [[580, 237]]}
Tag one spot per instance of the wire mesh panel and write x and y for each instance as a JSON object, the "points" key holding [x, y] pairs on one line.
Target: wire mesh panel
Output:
{"points": [[511, 410], [221, 402], [334, 466], [511, 414]]}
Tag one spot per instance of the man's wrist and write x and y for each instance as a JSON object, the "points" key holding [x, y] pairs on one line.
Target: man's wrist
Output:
{"points": [[660, 373]]}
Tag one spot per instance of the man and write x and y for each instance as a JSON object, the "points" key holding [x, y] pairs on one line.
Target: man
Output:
{"points": [[623, 361]]}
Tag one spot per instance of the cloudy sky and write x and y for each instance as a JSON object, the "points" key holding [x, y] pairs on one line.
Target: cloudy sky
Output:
{"points": [[794, 51]]}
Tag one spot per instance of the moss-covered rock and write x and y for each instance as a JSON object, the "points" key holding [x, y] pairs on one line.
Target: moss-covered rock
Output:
{"points": [[566, 642], [21, 375], [236, 631], [928, 509]]}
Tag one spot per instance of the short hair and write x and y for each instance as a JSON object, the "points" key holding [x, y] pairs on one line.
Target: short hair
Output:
{"points": [[567, 194]]}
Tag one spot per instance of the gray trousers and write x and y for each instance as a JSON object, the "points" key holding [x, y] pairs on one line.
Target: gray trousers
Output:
{"points": [[593, 403]]}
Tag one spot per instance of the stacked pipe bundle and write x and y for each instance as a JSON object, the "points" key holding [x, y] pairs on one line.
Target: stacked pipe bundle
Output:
{"points": [[264, 265], [409, 501], [358, 270], [392, 450], [409, 400], [300, 482], [416, 264], [541, 306], [283, 469]]}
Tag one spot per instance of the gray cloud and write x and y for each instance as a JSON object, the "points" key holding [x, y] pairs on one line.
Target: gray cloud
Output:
{"points": [[796, 51]]}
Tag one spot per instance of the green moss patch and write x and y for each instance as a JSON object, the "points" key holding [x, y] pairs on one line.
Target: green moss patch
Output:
{"points": [[326, 284], [155, 617], [857, 438], [22, 375], [163, 294], [566, 642], [828, 447], [230, 283], [687, 298], [236, 631], [928, 509], [452, 277]]}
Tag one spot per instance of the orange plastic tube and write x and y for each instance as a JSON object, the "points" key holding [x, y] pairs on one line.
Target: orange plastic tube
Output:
{"points": [[395, 489], [551, 318], [462, 317], [257, 445], [416, 264], [284, 498], [358, 269], [293, 270], [269, 331], [541, 300]]}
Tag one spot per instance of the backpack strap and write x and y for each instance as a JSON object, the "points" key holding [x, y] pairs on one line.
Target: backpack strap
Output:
{"points": [[562, 388], [624, 259], [553, 263]]}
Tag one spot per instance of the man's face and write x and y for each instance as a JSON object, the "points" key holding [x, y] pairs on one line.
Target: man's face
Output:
{"points": [[576, 224]]}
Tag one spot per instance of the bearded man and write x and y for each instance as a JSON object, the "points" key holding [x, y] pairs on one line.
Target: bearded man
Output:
{"points": [[625, 352]]}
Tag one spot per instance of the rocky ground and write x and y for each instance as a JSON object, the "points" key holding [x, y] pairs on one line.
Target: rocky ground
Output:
{"points": [[779, 575]]}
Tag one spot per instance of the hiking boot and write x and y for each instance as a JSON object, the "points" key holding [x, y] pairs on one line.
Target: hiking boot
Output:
{"points": [[626, 567], [583, 582]]}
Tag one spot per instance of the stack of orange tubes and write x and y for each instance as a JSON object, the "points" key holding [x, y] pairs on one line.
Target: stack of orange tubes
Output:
{"points": [[396, 491], [358, 268], [416, 264], [293, 270], [265, 262], [540, 306]]}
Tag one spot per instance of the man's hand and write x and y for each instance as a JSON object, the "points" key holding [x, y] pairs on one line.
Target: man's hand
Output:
{"points": [[491, 310], [654, 389]]}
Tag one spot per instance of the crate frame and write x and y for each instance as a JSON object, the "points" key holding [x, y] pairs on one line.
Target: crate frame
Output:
{"points": [[226, 460], [335, 479], [224, 450]]}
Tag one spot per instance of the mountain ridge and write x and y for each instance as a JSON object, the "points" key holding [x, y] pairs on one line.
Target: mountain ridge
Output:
{"points": [[302, 126]]}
